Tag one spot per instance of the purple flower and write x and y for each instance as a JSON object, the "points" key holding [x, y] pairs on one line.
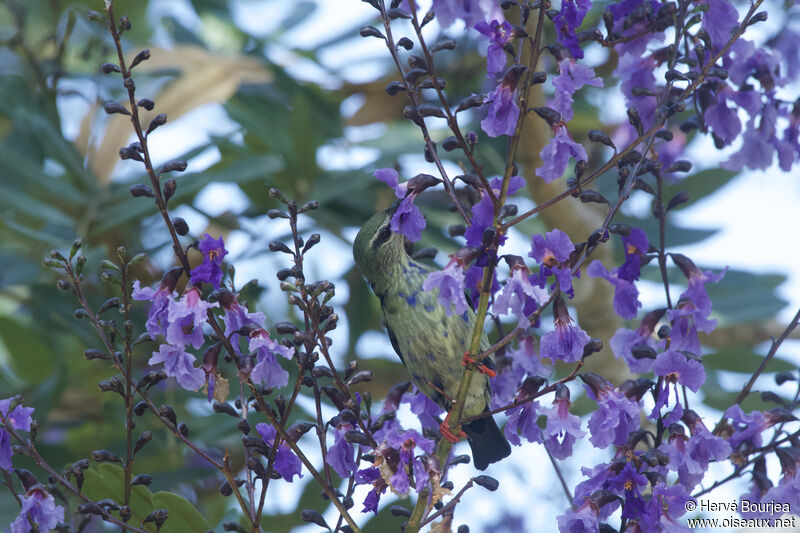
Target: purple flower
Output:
{"points": [[268, 371], [407, 219], [746, 427], [697, 284], [236, 317], [556, 154], [40, 508], [340, 455], [211, 270], [422, 406], [562, 429], [671, 501], [566, 342], [372, 500], [157, 315], [627, 482], [503, 112], [616, 417], [678, 368], [516, 292], [18, 418], [483, 211], [568, 20], [718, 21], [723, 120], [474, 276], [186, 318], [581, 520], [470, 11], [572, 76], [690, 456], [552, 248], [686, 321], [637, 71], [499, 34], [287, 464], [450, 284], [179, 364], [625, 340], [636, 245], [522, 420], [626, 295], [482, 218], [526, 359]]}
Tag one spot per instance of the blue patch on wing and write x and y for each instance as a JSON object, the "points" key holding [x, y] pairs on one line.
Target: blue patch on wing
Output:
{"points": [[465, 316]]}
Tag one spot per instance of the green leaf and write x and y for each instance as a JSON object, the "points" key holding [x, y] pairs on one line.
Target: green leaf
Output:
{"points": [[742, 360], [183, 516], [107, 481], [29, 357]]}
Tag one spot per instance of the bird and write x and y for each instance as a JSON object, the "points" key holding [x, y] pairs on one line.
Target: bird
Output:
{"points": [[430, 342]]}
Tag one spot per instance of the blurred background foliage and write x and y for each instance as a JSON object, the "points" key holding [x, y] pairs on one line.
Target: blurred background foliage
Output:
{"points": [[292, 120]]}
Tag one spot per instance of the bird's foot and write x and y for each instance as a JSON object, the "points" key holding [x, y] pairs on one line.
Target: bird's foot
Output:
{"points": [[480, 367], [449, 435]]}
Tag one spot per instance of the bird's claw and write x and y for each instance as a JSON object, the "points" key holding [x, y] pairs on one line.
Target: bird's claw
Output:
{"points": [[480, 367], [444, 427]]}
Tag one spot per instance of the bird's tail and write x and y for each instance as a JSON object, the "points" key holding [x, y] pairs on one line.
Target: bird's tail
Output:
{"points": [[487, 442]]}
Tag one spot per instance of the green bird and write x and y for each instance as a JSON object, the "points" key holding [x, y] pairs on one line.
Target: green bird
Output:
{"points": [[430, 342]]}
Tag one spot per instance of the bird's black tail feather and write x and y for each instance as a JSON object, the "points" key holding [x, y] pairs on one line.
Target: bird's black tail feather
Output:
{"points": [[487, 442]]}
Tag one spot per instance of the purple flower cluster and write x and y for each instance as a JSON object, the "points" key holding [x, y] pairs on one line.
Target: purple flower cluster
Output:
{"points": [[287, 464], [18, 417], [407, 219]]}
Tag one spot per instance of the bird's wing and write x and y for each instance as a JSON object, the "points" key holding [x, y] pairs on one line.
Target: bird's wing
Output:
{"points": [[395, 345]]}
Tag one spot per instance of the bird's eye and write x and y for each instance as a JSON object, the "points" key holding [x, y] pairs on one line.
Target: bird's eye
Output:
{"points": [[383, 235]]}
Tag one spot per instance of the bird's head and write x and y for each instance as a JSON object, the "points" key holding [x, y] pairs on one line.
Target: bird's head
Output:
{"points": [[377, 249]]}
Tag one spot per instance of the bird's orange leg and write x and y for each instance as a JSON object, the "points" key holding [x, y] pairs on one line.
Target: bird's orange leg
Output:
{"points": [[480, 367], [449, 435]]}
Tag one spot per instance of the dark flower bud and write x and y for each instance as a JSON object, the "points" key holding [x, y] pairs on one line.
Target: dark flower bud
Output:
{"points": [[508, 210], [450, 144], [445, 44], [420, 182], [601, 137], [140, 408], [635, 388], [26, 477], [593, 346], [146, 103], [361, 376], [620, 229], [129, 84], [111, 385], [590, 196], [159, 120], [124, 24], [158, 517], [126, 152], [550, 115], [680, 198], [299, 429], [562, 392], [108, 68], [531, 386], [672, 75], [430, 110], [174, 165], [144, 55], [142, 479], [277, 246], [643, 351], [115, 107], [538, 77], [143, 439], [414, 74], [392, 401], [399, 510], [102, 456], [223, 407], [313, 517], [93, 353], [559, 52], [784, 376], [141, 189], [180, 225], [406, 43], [487, 482], [597, 236], [169, 189], [411, 113], [475, 100], [680, 166], [633, 118], [370, 31], [166, 411], [761, 16]]}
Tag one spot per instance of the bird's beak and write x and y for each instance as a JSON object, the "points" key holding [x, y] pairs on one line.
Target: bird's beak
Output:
{"points": [[392, 209]]}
